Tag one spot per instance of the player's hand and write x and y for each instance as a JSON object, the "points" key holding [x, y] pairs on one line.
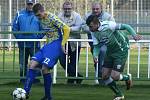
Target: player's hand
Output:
{"points": [[64, 50], [95, 60], [137, 37]]}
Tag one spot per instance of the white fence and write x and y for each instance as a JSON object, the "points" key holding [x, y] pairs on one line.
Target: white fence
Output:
{"points": [[139, 45], [128, 61]]}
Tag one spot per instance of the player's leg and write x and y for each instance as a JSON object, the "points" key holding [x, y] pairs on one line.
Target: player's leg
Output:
{"points": [[106, 75], [31, 74], [47, 82], [32, 71], [32, 51], [119, 60], [115, 76], [110, 82], [51, 53], [119, 63], [123, 77]]}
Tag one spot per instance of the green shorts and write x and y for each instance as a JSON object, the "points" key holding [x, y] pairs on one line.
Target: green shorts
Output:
{"points": [[116, 60]]}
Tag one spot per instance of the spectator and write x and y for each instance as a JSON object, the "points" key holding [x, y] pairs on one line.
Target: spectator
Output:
{"points": [[72, 19], [26, 21], [97, 10]]}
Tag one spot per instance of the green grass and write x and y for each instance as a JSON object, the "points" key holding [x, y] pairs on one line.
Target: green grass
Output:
{"points": [[140, 91], [9, 80]]}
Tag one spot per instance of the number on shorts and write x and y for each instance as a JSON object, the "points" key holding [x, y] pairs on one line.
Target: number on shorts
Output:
{"points": [[47, 60]]}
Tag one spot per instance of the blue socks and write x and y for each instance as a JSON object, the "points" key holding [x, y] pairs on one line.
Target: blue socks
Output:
{"points": [[47, 82], [29, 80], [47, 85]]}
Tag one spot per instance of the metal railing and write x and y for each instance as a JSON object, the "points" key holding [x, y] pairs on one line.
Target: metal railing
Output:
{"points": [[139, 48]]}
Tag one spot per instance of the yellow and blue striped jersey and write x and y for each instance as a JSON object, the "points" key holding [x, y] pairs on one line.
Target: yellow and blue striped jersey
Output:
{"points": [[54, 28]]}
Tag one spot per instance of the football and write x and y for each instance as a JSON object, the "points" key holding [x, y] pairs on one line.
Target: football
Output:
{"points": [[19, 94]]}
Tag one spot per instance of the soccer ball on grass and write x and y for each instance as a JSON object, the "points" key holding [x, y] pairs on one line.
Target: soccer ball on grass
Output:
{"points": [[19, 94]]}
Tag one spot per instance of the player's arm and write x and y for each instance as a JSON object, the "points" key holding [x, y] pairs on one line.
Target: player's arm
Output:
{"points": [[130, 30], [95, 53], [66, 29], [96, 48], [66, 32]]}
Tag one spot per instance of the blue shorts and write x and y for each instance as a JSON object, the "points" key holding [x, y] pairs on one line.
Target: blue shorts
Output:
{"points": [[49, 54]]}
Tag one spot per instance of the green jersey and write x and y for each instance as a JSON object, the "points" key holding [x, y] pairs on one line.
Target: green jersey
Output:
{"points": [[117, 40]]}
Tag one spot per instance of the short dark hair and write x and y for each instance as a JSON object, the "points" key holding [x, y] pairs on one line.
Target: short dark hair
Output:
{"points": [[97, 3], [92, 18], [67, 3], [37, 7]]}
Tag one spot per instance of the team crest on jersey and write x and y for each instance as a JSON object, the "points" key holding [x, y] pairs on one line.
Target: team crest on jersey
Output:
{"points": [[118, 66]]}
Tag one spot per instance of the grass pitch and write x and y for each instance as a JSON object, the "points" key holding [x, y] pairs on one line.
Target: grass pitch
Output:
{"points": [[140, 91], [86, 91]]}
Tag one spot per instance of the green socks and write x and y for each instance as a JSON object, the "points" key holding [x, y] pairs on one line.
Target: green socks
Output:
{"points": [[115, 89], [124, 77]]}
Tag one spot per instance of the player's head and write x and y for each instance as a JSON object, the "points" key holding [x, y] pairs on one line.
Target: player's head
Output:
{"points": [[96, 8], [38, 10], [67, 8], [93, 23], [29, 4]]}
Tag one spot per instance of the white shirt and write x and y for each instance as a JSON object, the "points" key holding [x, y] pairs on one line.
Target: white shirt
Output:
{"points": [[75, 22]]}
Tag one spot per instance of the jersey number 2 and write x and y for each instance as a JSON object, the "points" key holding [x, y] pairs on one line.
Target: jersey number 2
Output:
{"points": [[47, 60]]}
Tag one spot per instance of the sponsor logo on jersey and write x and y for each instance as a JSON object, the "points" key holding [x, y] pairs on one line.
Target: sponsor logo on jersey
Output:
{"points": [[118, 66]]}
